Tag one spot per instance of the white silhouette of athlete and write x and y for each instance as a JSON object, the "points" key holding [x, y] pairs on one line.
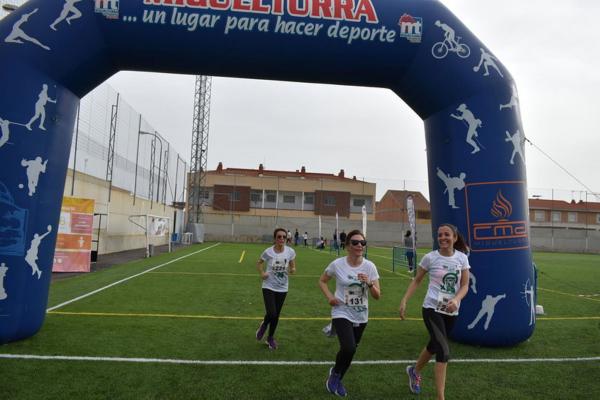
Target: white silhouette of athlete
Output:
{"points": [[529, 299], [3, 270], [17, 35], [472, 122], [473, 280], [68, 8], [32, 254], [488, 306], [487, 60], [449, 33], [81, 241], [518, 142], [452, 184], [34, 169], [40, 108], [514, 100]]}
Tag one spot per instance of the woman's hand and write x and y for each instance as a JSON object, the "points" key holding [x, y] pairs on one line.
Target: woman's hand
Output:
{"points": [[452, 305], [264, 275], [402, 310], [334, 301]]}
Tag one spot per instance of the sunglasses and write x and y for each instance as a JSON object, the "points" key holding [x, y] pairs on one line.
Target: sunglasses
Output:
{"points": [[280, 237], [363, 243]]}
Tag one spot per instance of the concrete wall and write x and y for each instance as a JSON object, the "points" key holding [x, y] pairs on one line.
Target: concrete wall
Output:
{"points": [[115, 230], [238, 228]]}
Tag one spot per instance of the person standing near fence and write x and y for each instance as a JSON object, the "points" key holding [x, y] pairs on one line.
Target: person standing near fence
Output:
{"points": [[409, 251], [280, 262], [448, 269], [355, 278]]}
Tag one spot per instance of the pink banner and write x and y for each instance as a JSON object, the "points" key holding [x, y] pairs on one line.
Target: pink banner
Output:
{"points": [[74, 241]]}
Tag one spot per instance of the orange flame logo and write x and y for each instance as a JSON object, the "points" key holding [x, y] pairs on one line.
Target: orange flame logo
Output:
{"points": [[501, 207]]}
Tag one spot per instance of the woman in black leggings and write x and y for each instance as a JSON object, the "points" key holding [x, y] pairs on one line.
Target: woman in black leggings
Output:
{"points": [[448, 269], [355, 277], [280, 261]]}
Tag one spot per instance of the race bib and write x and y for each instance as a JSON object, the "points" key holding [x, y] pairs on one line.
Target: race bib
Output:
{"points": [[355, 296], [442, 303]]}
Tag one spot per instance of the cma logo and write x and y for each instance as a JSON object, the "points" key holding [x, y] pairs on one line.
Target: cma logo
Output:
{"points": [[503, 233]]}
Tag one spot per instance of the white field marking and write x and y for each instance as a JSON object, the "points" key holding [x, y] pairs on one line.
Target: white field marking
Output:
{"points": [[293, 363], [242, 257], [568, 294], [126, 279]]}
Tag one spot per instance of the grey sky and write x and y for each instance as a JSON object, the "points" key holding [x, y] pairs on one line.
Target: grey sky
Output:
{"points": [[551, 50]]}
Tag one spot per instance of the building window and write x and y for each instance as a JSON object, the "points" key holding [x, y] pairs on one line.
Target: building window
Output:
{"points": [[270, 197], [235, 195], [289, 199], [598, 218], [572, 217], [358, 202], [256, 197], [556, 217], [330, 201], [423, 214], [309, 198], [539, 216]]}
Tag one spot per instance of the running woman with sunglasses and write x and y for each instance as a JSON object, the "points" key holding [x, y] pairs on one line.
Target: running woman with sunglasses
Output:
{"points": [[355, 277], [280, 261], [448, 284]]}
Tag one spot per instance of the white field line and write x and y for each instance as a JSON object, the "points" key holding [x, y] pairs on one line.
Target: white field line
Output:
{"points": [[126, 279], [268, 363]]}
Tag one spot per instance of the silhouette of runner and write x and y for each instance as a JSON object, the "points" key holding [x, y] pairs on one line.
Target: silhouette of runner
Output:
{"points": [[68, 8]]}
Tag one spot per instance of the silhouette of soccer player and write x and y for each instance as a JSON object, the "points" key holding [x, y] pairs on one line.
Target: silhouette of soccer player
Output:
{"points": [[472, 122], [518, 142]]}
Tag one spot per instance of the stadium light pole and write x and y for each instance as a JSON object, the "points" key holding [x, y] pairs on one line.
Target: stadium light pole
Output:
{"points": [[140, 132]]}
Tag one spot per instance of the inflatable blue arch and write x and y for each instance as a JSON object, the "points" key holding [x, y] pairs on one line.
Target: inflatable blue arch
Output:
{"points": [[53, 52]]}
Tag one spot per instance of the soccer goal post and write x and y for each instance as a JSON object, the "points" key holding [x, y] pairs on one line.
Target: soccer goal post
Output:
{"points": [[156, 228]]}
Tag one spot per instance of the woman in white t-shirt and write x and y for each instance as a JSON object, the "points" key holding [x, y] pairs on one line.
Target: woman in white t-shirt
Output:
{"points": [[448, 284], [355, 277], [280, 261]]}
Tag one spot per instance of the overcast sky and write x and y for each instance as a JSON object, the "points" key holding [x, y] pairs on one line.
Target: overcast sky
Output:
{"points": [[552, 50]]}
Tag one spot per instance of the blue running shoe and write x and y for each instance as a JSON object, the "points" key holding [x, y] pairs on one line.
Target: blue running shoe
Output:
{"points": [[260, 332], [341, 390], [414, 379], [332, 382], [272, 343]]}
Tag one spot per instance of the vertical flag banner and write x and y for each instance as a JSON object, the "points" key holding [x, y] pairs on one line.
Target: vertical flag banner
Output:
{"points": [[74, 241], [364, 220], [320, 227], [410, 209]]}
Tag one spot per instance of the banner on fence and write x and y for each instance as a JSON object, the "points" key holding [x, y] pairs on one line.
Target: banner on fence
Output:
{"points": [[74, 241]]}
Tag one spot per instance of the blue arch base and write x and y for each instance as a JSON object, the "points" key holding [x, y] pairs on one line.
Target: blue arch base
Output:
{"points": [[54, 52]]}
